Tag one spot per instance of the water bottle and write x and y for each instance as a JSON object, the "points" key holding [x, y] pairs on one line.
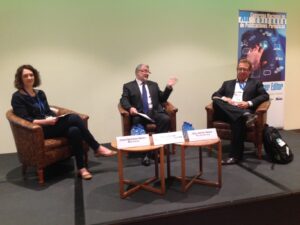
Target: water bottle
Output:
{"points": [[137, 129], [141, 129], [186, 126], [134, 130], [184, 130]]}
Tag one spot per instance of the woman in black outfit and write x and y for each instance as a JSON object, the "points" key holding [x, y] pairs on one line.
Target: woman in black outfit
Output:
{"points": [[31, 104]]}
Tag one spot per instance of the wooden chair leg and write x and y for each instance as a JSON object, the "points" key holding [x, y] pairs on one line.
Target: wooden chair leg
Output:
{"points": [[40, 173], [259, 151], [167, 149], [173, 149], [24, 169]]}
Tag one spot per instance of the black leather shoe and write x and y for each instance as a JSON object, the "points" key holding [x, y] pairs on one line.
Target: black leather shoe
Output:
{"points": [[229, 161], [146, 161], [250, 118]]}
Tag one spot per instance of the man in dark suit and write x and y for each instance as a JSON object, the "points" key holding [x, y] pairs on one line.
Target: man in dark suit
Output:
{"points": [[144, 96], [235, 103]]}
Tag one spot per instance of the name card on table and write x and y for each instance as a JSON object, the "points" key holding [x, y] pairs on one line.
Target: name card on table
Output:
{"points": [[202, 135], [168, 138], [133, 141]]}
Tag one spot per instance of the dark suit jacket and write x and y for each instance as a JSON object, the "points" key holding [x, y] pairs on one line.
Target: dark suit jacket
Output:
{"points": [[131, 96], [254, 91]]}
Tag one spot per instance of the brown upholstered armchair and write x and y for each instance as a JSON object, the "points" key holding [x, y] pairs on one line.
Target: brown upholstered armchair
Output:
{"points": [[36, 151], [126, 121], [254, 132]]}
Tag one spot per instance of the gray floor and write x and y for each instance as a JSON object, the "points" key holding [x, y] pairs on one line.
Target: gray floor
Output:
{"points": [[66, 199]]}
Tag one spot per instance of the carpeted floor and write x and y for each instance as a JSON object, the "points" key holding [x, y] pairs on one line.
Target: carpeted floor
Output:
{"points": [[66, 199]]}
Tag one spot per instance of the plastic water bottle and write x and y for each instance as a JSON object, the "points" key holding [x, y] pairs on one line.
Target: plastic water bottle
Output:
{"points": [[184, 130], [137, 130], [141, 129], [186, 126], [134, 131]]}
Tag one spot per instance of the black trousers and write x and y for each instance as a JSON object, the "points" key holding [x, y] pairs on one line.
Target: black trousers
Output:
{"points": [[234, 116], [72, 127]]}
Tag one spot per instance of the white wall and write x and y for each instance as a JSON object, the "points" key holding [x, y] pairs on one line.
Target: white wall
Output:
{"points": [[86, 50]]}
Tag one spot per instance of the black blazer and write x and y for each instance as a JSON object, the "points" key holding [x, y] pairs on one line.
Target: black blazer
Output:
{"points": [[254, 91], [131, 96]]}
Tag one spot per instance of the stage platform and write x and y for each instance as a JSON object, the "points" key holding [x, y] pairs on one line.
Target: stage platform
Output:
{"points": [[254, 192]]}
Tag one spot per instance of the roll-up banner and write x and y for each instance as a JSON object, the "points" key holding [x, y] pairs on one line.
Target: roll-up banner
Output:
{"points": [[262, 40]]}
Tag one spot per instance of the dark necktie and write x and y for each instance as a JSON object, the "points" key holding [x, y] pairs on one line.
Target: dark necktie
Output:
{"points": [[145, 99]]}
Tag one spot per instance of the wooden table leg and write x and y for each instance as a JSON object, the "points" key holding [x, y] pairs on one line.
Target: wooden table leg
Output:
{"points": [[168, 162], [155, 163], [162, 171], [160, 175], [121, 174], [186, 183], [219, 146], [200, 160], [183, 181]]}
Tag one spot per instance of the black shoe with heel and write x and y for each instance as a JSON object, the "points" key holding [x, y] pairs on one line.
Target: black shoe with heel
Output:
{"points": [[146, 161], [229, 161]]}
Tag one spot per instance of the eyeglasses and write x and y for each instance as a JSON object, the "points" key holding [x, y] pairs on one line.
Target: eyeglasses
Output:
{"points": [[145, 71], [242, 69]]}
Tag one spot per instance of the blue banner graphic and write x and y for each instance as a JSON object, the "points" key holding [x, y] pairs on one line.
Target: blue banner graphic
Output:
{"points": [[262, 40]]}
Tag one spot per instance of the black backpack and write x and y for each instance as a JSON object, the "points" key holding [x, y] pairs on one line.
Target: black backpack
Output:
{"points": [[275, 147]]}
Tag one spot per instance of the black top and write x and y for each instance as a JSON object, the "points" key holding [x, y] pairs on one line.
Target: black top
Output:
{"points": [[31, 108]]}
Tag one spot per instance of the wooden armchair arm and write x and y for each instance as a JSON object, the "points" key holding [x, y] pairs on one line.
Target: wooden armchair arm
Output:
{"points": [[263, 107], [123, 111], [261, 112], [170, 108], [126, 123], [21, 123], [209, 108], [61, 111], [210, 115]]}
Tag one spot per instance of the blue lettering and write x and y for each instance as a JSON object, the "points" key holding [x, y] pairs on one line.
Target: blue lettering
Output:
{"points": [[276, 86], [267, 87], [243, 19]]}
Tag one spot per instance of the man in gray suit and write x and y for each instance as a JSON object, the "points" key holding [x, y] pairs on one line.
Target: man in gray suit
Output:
{"points": [[235, 103], [144, 96]]}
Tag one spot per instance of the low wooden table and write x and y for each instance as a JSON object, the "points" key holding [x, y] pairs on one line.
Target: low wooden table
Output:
{"points": [[186, 182], [146, 184]]}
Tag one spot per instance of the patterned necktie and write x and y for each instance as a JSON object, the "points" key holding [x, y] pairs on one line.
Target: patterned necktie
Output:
{"points": [[145, 99]]}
